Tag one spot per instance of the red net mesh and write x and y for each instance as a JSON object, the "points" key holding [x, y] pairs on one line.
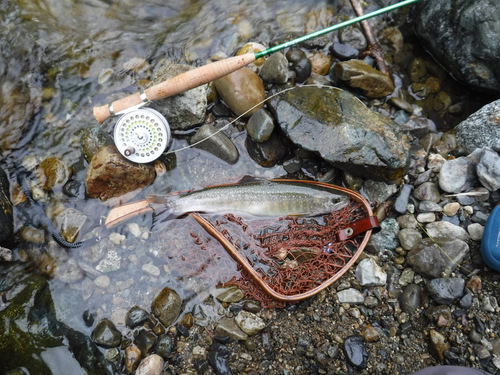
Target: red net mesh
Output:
{"points": [[291, 255]]}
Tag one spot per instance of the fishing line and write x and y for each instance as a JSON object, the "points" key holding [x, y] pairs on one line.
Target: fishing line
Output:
{"points": [[249, 110]]}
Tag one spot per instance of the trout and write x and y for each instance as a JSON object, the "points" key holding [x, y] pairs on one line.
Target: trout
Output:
{"points": [[258, 198]]}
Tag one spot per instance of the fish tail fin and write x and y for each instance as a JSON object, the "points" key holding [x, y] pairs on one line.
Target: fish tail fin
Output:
{"points": [[126, 211]]}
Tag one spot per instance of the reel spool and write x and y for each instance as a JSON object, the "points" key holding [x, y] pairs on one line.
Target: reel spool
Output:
{"points": [[142, 135]]}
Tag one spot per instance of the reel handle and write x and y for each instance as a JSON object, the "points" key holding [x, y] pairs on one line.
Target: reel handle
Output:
{"points": [[175, 85]]}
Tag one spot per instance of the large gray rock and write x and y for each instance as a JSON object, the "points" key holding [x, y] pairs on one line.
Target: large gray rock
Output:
{"points": [[481, 129], [339, 127], [463, 36]]}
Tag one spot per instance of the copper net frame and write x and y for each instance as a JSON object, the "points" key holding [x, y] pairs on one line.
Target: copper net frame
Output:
{"points": [[361, 229]]}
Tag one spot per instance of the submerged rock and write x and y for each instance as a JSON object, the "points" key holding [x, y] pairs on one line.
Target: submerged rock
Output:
{"points": [[167, 306], [462, 36], [6, 218], [215, 142], [343, 131], [111, 175]]}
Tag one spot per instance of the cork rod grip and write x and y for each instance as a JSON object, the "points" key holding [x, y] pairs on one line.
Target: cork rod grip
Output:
{"points": [[183, 82]]}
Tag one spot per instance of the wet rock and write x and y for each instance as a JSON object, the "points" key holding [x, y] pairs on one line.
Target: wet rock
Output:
{"points": [[300, 64], [185, 110], [488, 169], [167, 306], [30, 323], [216, 143], [230, 294], [369, 273], [480, 129], [411, 298], [93, 139], [252, 47], [111, 175], [354, 37], [132, 358], [275, 69], [218, 357], [457, 175], [437, 259], [105, 334], [343, 131], [438, 344], [242, 91], [6, 216], [343, 51], [260, 126], [355, 351], [321, 63], [165, 346], [358, 74], [452, 33], [52, 173], [70, 221], [151, 365], [267, 153], [145, 340]]}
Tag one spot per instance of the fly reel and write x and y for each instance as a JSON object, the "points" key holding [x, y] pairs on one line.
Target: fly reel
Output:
{"points": [[142, 135]]}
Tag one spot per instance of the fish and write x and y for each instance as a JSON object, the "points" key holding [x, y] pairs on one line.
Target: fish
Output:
{"points": [[258, 198]]}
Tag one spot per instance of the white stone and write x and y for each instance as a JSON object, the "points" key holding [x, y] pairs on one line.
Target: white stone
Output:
{"points": [[475, 231], [351, 296], [151, 365], [249, 323], [426, 217], [151, 269], [369, 273]]}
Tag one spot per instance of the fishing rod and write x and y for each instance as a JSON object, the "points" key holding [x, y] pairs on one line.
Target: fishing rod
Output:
{"points": [[142, 135]]}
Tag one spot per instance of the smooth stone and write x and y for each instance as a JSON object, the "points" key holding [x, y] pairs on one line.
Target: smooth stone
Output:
{"points": [[93, 139], [242, 91], [105, 334], [437, 259], [446, 290], [145, 340], [275, 69], [300, 64], [249, 323], [358, 74], [132, 358], [343, 131], [151, 365], [230, 294], [428, 206], [475, 231], [343, 51], [167, 306], [71, 221], [165, 346], [216, 143], [369, 273], [111, 175], [355, 351], [260, 125], [267, 153], [426, 217], [451, 209]]}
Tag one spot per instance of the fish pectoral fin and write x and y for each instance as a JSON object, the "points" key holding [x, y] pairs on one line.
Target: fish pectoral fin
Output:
{"points": [[124, 212]]}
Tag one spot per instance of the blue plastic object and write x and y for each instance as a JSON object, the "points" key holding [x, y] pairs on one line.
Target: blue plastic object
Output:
{"points": [[490, 244]]}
